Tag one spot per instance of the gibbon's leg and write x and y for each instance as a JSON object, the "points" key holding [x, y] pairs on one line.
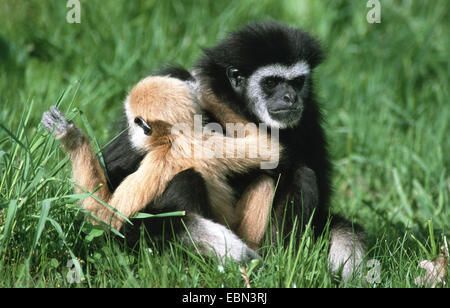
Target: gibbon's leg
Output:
{"points": [[253, 209], [138, 189], [86, 169]]}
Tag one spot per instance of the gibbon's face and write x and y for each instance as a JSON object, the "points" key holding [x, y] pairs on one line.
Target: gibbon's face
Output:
{"points": [[153, 106], [275, 93]]}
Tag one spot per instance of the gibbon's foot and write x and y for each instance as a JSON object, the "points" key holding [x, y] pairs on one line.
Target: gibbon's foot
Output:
{"points": [[213, 239], [347, 248], [55, 122]]}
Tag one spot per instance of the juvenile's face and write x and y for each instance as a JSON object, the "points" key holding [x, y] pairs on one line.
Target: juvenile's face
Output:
{"points": [[153, 106]]}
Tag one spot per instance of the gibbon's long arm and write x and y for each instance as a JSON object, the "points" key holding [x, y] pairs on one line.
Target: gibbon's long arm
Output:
{"points": [[253, 208], [88, 174], [250, 143], [86, 169], [211, 103]]}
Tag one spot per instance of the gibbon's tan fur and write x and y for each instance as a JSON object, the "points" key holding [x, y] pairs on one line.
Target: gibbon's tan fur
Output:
{"points": [[254, 205], [87, 172], [164, 102], [210, 102], [253, 208]]}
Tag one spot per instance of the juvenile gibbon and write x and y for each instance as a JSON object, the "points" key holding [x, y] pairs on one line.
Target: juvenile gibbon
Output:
{"points": [[161, 114]]}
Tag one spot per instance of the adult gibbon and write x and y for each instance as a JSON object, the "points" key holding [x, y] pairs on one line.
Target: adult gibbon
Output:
{"points": [[264, 73], [160, 112]]}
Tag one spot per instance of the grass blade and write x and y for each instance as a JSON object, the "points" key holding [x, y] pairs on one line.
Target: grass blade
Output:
{"points": [[45, 208], [170, 214], [11, 214]]}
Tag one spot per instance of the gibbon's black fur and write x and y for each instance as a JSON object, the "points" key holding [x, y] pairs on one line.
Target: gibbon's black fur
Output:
{"points": [[305, 160], [264, 72]]}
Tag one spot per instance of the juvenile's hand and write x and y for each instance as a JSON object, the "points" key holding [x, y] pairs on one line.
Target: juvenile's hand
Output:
{"points": [[55, 122]]}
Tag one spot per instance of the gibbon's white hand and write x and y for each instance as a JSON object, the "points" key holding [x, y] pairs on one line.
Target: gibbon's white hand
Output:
{"points": [[55, 122]]}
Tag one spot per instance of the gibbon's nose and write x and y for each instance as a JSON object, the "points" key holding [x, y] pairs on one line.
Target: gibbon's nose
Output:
{"points": [[288, 98]]}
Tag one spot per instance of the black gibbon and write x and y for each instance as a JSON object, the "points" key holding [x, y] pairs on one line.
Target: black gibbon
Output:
{"points": [[160, 112], [264, 73]]}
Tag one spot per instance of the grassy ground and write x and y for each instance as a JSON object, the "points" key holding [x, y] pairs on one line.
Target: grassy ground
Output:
{"points": [[383, 88]]}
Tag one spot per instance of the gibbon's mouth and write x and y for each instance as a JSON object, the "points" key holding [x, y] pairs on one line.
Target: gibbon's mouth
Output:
{"points": [[284, 111], [144, 125]]}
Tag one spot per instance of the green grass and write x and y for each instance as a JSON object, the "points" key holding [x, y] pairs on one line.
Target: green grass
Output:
{"points": [[384, 89]]}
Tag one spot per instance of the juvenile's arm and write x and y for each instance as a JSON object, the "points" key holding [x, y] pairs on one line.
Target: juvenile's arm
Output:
{"points": [[138, 189], [86, 170], [211, 103], [247, 146]]}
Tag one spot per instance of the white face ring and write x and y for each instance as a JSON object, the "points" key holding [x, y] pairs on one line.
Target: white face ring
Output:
{"points": [[254, 91]]}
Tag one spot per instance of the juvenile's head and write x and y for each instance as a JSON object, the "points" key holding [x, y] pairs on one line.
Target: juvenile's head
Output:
{"points": [[153, 106]]}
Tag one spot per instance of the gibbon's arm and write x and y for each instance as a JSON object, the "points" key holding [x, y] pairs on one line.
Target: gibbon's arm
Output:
{"points": [[86, 170], [140, 188], [211, 103], [304, 191], [241, 151], [229, 154], [158, 168]]}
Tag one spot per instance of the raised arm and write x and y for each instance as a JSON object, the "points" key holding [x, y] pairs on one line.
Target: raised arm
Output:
{"points": [[86, 170]]}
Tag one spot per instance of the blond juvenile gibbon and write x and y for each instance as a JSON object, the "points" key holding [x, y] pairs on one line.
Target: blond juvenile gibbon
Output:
{"points": [[161, 113]]}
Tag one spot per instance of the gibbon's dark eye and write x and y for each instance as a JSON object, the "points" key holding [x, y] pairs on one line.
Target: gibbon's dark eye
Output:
{"points": [[144, 125], [299, 82], [271, 82]]}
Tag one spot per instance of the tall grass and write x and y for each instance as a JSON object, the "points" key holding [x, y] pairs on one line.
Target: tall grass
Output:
{"points": [[384, 89]]}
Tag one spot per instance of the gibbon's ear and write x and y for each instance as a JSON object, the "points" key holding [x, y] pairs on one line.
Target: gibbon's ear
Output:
{"points": [[236, 79]]}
